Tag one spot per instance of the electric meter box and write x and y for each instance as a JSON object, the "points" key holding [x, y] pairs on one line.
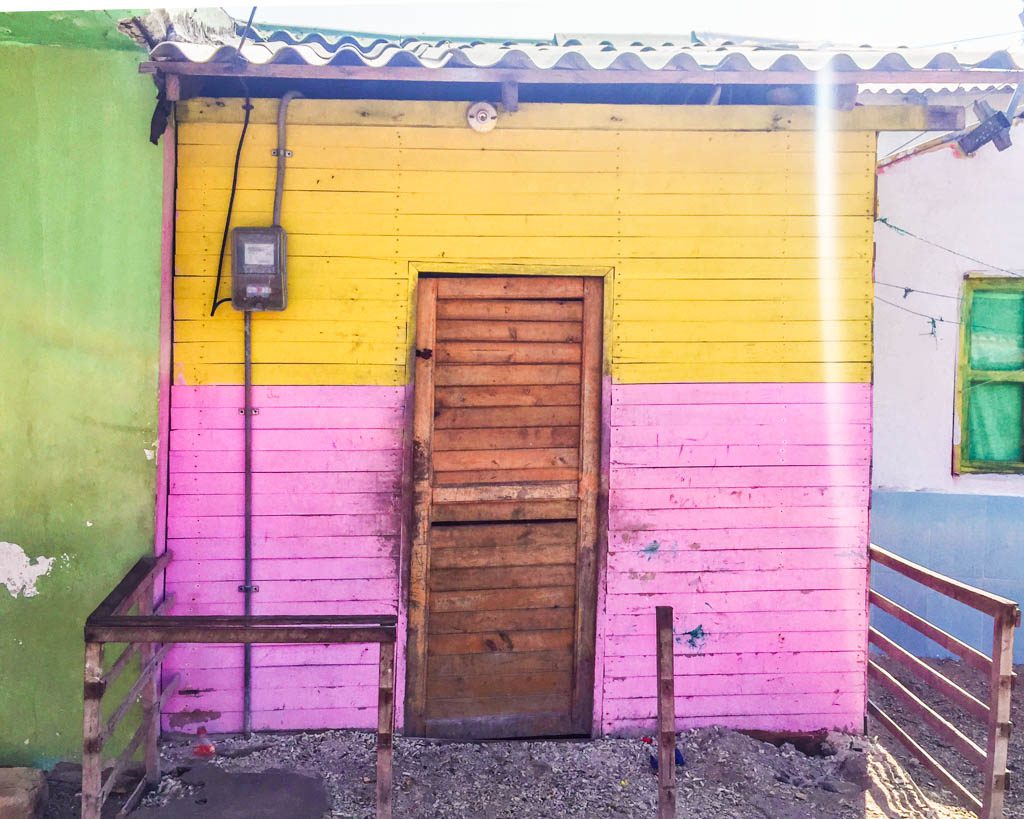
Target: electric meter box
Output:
{"points": [[258, 276]]}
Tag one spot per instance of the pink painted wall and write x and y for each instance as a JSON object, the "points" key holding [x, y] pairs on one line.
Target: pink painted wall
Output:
{"points": [[326, 540], [743, 506]]}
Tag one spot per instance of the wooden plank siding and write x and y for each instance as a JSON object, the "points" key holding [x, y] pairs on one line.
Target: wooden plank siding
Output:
{"points": [[714, 239], [744, 507], [326, 525], [736, 404]]}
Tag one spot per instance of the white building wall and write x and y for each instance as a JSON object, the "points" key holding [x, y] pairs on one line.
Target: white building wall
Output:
{"points": [[972, 205]]}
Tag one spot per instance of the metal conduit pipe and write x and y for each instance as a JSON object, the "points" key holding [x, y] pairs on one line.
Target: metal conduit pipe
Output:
{"points": [[282, 151], [247, 411]]}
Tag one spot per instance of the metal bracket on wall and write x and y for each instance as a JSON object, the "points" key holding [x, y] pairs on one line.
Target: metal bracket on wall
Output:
{"points": [[273, 152], [243, 588], [252, 411]]}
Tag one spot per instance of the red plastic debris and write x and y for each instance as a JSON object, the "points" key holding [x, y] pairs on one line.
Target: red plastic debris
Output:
{"points": [[203, 748]]}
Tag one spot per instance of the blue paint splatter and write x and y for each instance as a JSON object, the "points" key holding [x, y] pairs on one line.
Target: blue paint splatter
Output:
{"points": [[695, 638], [651, 549]]}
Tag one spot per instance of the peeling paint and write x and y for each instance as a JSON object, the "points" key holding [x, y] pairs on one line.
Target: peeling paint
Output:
{"points": [[651, 549], [182, 718], [19, 572]]}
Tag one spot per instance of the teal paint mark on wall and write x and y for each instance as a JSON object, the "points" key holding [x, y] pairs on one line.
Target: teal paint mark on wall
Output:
{"points": [[80, 277], [79, 29]]}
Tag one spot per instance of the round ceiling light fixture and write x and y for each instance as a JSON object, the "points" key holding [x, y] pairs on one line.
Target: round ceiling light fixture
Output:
{"points": [[482, 117]]}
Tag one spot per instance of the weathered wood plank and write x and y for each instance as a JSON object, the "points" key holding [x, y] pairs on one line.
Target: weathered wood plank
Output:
{"points": [[454, 375], [507, 352], [497, 396], [504, 438], [489, 459], [484, 417], [510, 310], [564, 332], [510, 287], [503, 510], [503, 598]]}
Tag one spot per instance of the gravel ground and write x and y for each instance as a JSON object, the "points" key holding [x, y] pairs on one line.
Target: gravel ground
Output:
{"points": [[727, 776], [977, 684]]}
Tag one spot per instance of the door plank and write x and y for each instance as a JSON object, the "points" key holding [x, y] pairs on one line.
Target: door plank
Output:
{"points": [[500, 641], [473, 330], [502, 685], [497, 707], [510, 459], [558, 554], [479, 579], [507, 352], [454, 375], [590, 476], [491, 665], [522, 396], [503, 510], [484, 476], [481, 417], [491, 535], [471, 622], [488, 599], [510, 287], [503, 438], [564, 490], [423, 415], [510, 309]]}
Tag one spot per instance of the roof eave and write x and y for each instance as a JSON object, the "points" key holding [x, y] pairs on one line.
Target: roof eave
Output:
{"points": [[562, 76]]}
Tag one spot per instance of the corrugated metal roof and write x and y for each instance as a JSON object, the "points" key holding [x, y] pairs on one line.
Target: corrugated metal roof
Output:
{"points": [[694, 52]]}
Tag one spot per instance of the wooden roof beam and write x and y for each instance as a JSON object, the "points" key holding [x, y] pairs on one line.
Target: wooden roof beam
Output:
{"points": [[561, 76]]}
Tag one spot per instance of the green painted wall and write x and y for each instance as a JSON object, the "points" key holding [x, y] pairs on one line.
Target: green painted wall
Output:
{"points": [[79, 338], [85, 29]]}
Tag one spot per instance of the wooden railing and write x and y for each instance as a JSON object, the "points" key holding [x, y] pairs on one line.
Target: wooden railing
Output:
{"points": [[993, 713], [149, 635]]}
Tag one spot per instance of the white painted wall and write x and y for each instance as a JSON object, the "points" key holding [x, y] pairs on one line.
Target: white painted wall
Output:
{"points": [[972, 205]]}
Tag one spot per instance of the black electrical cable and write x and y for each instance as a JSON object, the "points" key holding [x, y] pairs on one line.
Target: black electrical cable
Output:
{"points": [[231, 205]]}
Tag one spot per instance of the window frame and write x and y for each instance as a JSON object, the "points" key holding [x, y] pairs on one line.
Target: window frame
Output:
{"points": [[966, 375]]}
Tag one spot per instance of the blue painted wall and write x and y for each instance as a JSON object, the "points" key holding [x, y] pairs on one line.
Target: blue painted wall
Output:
{"points": [[977, 539]]}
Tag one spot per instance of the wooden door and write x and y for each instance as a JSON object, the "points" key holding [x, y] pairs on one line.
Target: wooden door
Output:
{"points": [[506, 457]]}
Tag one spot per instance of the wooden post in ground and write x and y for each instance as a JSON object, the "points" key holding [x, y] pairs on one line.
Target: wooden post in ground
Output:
{"points": [[666, 716], [1000, 688], [150, 695], [385, 729], [92, 743]]}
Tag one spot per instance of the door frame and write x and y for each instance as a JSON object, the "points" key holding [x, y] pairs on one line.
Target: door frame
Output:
{"points": [[592, 514]]}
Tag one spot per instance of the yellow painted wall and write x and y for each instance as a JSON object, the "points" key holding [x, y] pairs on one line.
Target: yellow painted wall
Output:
{"points": [[714, 235]]}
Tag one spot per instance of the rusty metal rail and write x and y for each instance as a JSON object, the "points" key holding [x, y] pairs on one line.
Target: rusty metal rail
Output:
{"points": [[994, 714], [149, 635]]}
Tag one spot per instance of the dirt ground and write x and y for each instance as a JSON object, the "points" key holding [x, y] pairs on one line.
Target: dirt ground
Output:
{"points": [[977, 684], [727, 775]]}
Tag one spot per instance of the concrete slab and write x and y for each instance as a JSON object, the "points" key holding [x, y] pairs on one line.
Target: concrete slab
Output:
{"points": [[23, 793], [270, 794]]}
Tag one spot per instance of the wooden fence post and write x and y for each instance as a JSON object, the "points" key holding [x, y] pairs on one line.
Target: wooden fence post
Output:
{"points": [[666, 716], [385, 729], [1000, 688], [150, 695], [92, 743]]}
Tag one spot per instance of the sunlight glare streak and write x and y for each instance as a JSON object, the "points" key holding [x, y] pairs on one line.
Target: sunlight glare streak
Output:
{"points": [[825, 174]]}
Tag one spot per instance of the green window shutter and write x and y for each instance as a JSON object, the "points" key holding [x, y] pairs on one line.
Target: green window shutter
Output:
{"points": [[992, 376], [997, 331]]}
